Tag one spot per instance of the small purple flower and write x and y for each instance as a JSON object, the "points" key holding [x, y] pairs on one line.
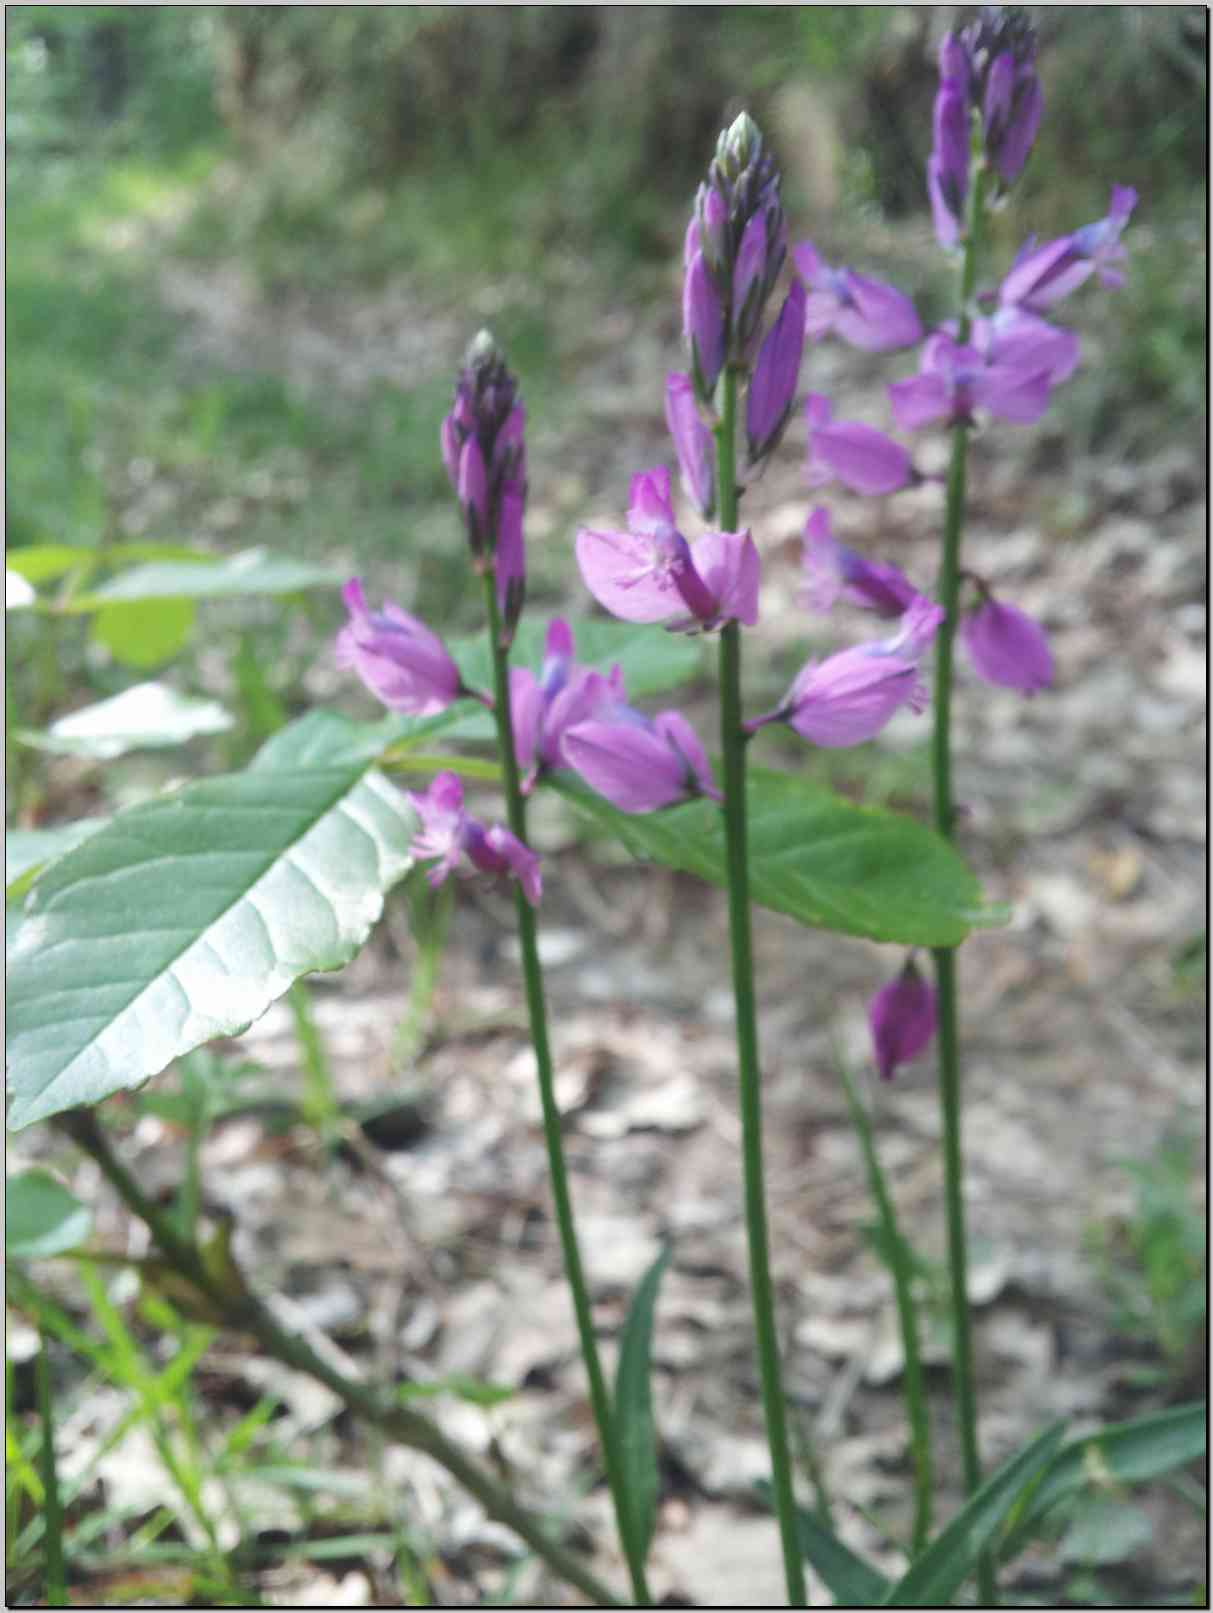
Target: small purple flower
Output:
{"points": [[446, 834], [1011, 339], [832, 572], [773, 383], [901, 1016], [859, 456], [1041, 276], [563, 695], [955, 379], [692, 443], [1006, 647], [702, 326], [868, 314], [641, 765], [400, 661], [851, 696], [650, 573]]}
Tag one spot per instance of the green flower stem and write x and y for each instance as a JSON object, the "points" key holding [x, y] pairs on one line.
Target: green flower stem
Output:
{"points": [[52, 1505], [733, 747], [945, 957], [236, 1307], [533, 978]]}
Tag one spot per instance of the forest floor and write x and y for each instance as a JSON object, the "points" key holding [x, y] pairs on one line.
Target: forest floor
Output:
{"points": [[434, 1254]]}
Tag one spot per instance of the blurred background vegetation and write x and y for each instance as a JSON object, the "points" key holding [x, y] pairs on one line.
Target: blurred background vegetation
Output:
{"points": [[172, 167]]}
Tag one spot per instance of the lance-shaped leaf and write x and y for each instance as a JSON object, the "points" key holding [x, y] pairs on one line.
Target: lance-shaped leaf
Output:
{"points": [[41, 1217], [820, 859], [634, 1423], [147, 716], [183, 919]]}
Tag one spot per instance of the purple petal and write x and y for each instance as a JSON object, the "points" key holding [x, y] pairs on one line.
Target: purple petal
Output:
{"points": [[510, 559], [750, 264], [1017, 396], [399, 660], [628, 574], [650, 511], [1021, 131], [632, 766], [526, 714], [1007, 648], [692, 442], [498, 851], [861, 457], [773, 383], [901, 1016], [703, 325], [879, 319], [678, 734], [729, 566], [919, 400]]}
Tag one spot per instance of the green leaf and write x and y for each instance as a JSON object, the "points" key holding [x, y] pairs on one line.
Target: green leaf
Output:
{"points": [[148, 715], [1105, 1531], [255, 571], [476, 1391], [634, 1425], [328, 739], [184, 918], [934, 1577], [850, 1580], [42, 1218], [820, 859], [43, 562], [28, 851], [1124, 1453], [144, 634]]}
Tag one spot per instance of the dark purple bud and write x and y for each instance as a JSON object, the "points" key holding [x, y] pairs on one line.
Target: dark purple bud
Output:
{"points": [[1021, 130], [773, 383], [483, 450], [901, 1017]]}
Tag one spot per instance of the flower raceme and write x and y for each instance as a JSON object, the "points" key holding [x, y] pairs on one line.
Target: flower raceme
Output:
{"points": [[563, 695], [447, 835], [399, 660], [851, 696], [867, 314], [650, 573], [641, 764], [901, 1017]]}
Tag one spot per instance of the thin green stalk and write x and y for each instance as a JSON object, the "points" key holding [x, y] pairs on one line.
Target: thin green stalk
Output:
{"points": [[562, 1199], [907, 1321], [945, 957], [52, 1508], [242, 1310], [733, 747]]}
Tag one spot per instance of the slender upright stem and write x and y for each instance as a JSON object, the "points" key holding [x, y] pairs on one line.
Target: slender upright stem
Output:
{"points": [[237, 1307], [52, 1504], [536, 1009], [945, 957], [733, 747]]}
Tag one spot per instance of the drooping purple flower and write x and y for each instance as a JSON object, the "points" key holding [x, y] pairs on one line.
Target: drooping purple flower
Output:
{"points": [[859, 456], [901, 1016], [851, 696], [954, 379], [563, 695], [702, 326], [638, 764], [692, 443], [1011, 339], [1041, 276], [397, 657], [868, 314], [832, 572], [650, 573], [1006, 647], [482, 441], [773, 383], [446, 834]]}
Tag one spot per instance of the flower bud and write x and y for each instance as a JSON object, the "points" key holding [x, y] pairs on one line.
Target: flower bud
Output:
{"points": [[773, 383], [901, 1017], [692, 443], [703, 327], [484, 454]]}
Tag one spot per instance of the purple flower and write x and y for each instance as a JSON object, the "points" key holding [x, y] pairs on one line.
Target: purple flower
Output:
{"points": [[563, 695], [692, 443], [955, 379], [702, 326], [1012, 339], [832, 571], [948, 164], [641, 765], [773, 383], [650, 573], [447, 834], [859, 456], [866, 313], [901, 1016], [401, 662], [850, 697], [1006, 647], [1041, 276]]}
